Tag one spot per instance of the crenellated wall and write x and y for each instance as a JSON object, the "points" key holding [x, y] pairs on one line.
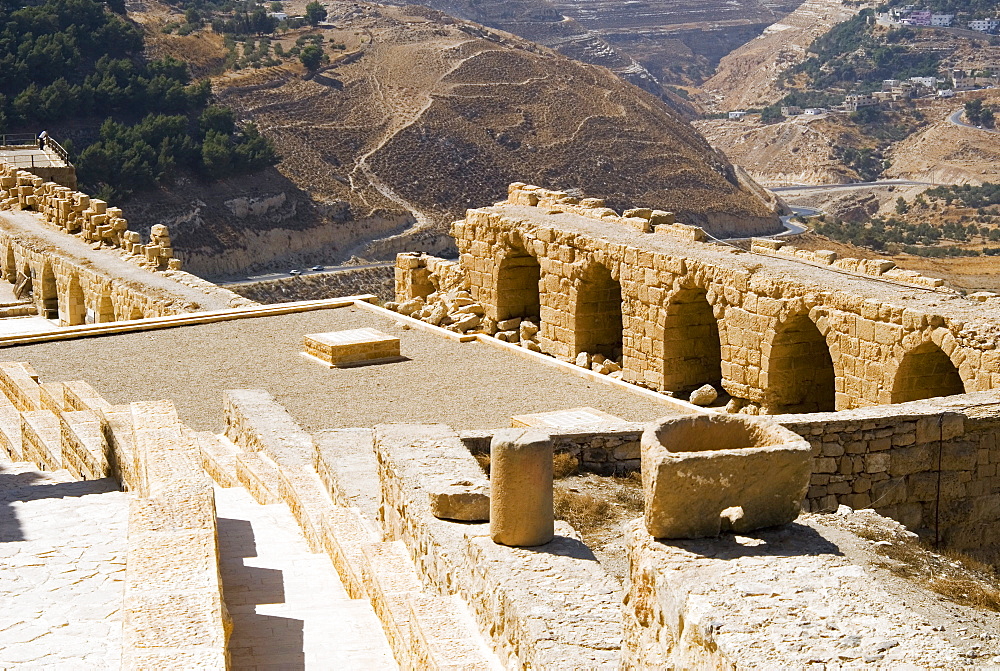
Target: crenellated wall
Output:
{"points": [[780, 333]]}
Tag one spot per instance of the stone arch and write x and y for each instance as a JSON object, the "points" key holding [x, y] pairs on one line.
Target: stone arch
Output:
{"points": [[597, 312], [798, 368], [692, 353], [48, 294], [517, 285], [925, 371], [135, 312]]}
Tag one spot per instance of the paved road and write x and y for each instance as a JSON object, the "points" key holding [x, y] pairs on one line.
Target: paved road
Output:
{"points": [[956, 118], [852, 185], [790, 227], [303, 272]]}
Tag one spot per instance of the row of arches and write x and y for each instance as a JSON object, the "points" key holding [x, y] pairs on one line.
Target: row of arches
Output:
{"points": [[61, 298], [798, 371]]}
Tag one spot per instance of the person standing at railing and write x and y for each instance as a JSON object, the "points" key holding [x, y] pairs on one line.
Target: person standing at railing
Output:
{"points": [[42, 137]]}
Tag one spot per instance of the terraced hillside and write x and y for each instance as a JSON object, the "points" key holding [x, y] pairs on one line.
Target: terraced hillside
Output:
{"points": [[677, 40], [427, 117]]}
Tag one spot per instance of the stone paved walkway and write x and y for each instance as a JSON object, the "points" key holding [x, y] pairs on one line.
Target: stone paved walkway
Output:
{"points": [[62, 570], [289, 608]]}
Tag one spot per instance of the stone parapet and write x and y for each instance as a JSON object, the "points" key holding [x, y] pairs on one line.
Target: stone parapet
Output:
{"points": [[90, 218]]}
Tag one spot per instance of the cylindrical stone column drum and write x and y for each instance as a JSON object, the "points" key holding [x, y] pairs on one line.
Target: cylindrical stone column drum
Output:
{"points": [[521, 512]]}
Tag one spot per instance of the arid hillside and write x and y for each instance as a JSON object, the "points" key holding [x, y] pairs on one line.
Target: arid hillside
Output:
{"points": [[747, 77], [425, 117]]}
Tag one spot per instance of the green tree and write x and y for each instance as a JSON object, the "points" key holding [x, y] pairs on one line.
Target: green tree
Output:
{"points": [[901, 206], [311, 57], [771, 114], [315, 13]]}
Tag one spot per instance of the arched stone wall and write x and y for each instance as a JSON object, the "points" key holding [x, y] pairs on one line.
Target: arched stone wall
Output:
{"points": [[862, 326]]}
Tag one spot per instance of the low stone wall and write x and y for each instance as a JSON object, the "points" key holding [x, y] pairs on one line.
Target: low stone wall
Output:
{"points": [[933, 465], [76, 212], [551, 607], [348, 282], [174, 610], [601, 450]]}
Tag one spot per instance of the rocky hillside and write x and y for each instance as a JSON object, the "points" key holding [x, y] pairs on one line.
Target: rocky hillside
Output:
{"points": [[748, 76], [422, 117], [679, 41]]}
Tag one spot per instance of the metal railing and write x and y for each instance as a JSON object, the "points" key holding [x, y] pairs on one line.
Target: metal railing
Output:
{"points": [[27, 140]]}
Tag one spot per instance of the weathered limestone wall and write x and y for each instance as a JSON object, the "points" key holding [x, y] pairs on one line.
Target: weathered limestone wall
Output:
{"points": [[605, 451], [793, 334], [78, 213], [932, 465]]}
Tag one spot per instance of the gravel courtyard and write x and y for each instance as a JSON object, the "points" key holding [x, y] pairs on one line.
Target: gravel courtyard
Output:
{"points": [[465, 385]]}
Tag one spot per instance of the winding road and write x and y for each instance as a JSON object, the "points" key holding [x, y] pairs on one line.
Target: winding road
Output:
{"points": [[956, 118]]}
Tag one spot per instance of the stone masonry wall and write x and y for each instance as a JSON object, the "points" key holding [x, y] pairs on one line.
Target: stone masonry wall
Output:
{"points": [[932, 465], [874, 335]]}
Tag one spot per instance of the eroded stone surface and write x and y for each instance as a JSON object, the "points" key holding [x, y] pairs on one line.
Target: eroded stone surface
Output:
{"points": [[62, 549]]}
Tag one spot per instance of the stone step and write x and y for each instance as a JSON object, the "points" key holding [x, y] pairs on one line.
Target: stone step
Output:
{"points": [[218, 457], [425, 631], [41, 437], [288, 605], [345, 462], [84, 445], [259, 475]]}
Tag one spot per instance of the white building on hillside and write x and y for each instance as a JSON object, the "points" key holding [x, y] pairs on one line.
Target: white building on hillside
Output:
{"points": [[985, 25], [942, 20]]}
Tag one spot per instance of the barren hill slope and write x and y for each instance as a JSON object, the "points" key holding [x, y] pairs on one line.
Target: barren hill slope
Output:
{"points": [[747, 76], [430, 117]]}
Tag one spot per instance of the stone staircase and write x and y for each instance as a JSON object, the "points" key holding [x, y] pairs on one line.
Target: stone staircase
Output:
{"points": [[274, 460], [307, 578]]}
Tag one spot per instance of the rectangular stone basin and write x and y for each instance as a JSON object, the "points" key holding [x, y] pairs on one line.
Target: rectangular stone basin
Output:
{"points": [[707, 474]]}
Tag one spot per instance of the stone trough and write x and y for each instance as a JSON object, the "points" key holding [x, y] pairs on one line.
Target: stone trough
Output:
{"points": [[707, 474]]}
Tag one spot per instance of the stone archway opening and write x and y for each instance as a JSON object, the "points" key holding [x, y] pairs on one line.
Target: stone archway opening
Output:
{"points": [[598, 314], [105, 310], [692, 355], [926, 372], [517, 287], [800, 374]]}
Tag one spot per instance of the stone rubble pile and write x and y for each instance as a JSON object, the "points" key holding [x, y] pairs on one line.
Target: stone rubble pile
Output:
{"points": [[454, 310], [600, 364], [77, 213]]}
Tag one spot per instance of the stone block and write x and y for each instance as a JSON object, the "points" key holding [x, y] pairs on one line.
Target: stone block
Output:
{"points": [[572, 419], [700, 475], [352, 348]]}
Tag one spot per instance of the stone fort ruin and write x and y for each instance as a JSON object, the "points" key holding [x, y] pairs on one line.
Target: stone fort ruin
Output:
{"points": [[302, 484]]}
